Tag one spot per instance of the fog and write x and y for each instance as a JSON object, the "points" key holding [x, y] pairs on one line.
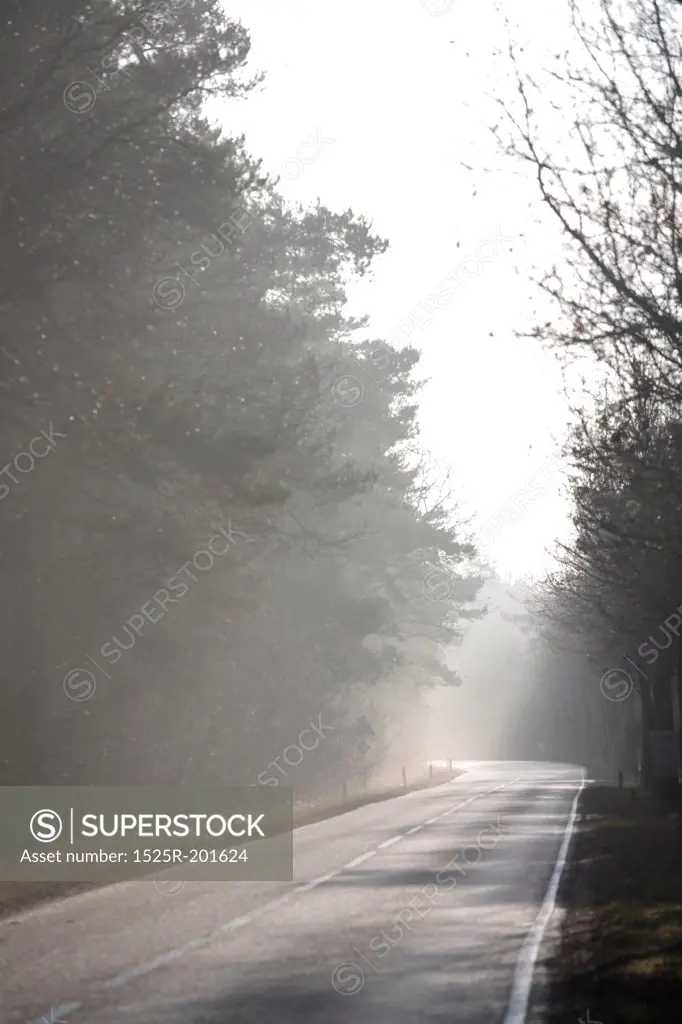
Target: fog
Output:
{"points": [[221, 517]]}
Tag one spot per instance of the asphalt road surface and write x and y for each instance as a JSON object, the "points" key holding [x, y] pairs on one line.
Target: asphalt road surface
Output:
{"points": [[428, 907]]}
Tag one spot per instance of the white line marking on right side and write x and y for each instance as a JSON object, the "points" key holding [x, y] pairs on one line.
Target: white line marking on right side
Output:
{"points": [[517, 1007]]}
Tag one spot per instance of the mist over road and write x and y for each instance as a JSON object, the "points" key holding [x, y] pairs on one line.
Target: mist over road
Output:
{"points": [[416, 908]]}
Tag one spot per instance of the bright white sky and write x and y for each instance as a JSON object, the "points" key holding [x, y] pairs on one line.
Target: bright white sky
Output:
{"points": [[402, 92]]}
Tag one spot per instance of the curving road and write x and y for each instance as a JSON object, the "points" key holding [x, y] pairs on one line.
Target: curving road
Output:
{"points": [[428, 907]]}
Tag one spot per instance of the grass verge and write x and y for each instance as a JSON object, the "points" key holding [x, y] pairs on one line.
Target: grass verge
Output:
{"points": [[621, 947]]}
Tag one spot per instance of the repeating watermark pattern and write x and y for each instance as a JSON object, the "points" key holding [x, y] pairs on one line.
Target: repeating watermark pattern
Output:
{"points": [[349, 977], [616, 684], [28, 458], [80, 96], [438, 7], [80, 683], [168, 888], [169, 291], [439, 584], [315, 729], [515, 508], [348, 390]]}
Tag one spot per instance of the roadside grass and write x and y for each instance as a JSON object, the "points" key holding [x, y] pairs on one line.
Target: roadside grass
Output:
{"points": [[16, 896], [621, 946]]}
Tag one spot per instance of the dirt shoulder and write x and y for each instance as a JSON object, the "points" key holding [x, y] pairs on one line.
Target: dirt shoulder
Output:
{"points": [[16, 896], [621, 948]]}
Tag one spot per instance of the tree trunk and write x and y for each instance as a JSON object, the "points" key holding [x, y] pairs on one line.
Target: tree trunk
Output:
{"points": [[677, 711], [647, 719]]}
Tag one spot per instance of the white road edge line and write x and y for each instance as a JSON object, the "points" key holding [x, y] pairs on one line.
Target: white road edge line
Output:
{"points": [[522, 984]]}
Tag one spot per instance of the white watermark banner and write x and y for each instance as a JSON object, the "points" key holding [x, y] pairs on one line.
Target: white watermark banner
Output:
{"points": [[113, 833]]}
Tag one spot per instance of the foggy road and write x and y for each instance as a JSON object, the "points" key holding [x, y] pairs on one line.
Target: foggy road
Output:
{"points": [[411, 909]]}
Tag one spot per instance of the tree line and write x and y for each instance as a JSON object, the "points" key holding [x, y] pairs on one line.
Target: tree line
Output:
{"points": [[213, 530], [610, 177]]}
